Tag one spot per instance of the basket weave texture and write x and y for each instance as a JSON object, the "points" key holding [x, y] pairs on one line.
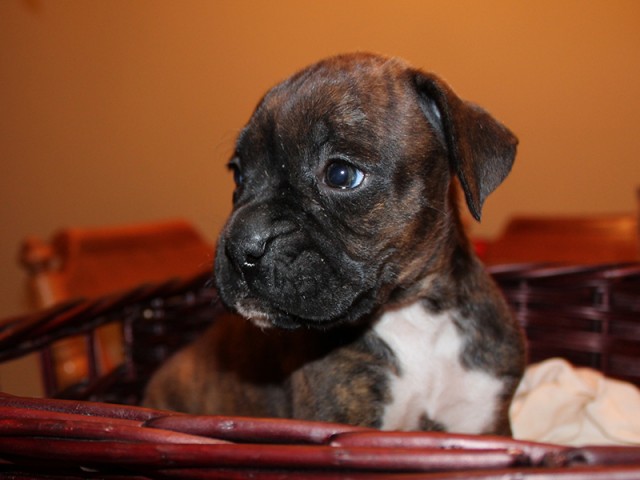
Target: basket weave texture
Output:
{"points": [[589, 315]]}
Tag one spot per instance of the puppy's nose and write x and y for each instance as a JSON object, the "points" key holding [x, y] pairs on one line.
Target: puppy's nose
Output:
{"points": [[250, 238], [246, 246], [252, 248]]}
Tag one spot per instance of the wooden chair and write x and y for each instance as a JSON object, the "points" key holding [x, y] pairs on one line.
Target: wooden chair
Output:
{"points": [[566, 239], [93, 262]]}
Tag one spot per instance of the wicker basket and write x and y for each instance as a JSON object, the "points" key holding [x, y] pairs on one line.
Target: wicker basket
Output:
{"points": [[589, 315]]}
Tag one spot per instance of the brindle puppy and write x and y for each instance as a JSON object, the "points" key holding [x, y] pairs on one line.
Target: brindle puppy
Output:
{"points": [[345, 252]]}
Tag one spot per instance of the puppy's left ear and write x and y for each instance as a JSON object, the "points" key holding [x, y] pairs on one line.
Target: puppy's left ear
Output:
{"points": [[481, 150]]}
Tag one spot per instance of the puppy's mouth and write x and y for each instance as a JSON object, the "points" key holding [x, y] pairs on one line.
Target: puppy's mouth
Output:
{"points": [[289, 290]]}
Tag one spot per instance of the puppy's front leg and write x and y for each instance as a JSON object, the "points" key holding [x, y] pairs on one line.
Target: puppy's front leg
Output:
{"points": [[226, 371], [350, 385]]}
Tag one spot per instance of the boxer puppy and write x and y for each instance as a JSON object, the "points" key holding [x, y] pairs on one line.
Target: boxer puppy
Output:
{"points": [[345, 253]]}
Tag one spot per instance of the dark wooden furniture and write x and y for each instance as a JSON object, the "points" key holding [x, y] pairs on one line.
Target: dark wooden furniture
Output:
{"points": [[569, 239], [93, 262]]}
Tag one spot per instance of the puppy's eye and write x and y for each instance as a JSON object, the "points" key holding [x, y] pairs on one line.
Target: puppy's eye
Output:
{"points": [[238, 177], [343, 175]]}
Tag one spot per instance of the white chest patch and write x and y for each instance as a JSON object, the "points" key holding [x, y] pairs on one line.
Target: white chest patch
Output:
{"points": [[432, 380]]}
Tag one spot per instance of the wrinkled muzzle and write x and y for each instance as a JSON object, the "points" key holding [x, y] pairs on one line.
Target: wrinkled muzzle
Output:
{"points": [[271, 269]]}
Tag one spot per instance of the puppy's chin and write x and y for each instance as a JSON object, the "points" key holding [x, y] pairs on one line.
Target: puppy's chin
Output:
{"points": [[264, 319], [258, 318]]}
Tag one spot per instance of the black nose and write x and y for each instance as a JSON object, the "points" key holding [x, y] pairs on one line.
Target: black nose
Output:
{"points": [[251, 248], [250, 237], [246, 246]]}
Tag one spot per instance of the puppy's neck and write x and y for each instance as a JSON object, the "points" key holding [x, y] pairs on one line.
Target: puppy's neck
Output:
{"points": [[446, 271]]}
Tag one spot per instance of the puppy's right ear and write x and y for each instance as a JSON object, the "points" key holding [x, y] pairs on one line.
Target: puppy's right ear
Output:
{"points": [[481, 150]]}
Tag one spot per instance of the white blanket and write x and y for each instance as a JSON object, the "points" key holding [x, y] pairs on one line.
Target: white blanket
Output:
{"points": [[561, 404]]}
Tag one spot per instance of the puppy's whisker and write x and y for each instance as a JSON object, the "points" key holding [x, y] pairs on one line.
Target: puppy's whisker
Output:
{"points": [[440, 211]]}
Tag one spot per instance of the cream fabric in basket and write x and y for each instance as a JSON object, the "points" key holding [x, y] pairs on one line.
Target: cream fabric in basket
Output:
{"points": [[559, 403]]}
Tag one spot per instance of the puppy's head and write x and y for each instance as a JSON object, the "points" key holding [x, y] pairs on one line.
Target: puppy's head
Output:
{"points": [[341, 199]]}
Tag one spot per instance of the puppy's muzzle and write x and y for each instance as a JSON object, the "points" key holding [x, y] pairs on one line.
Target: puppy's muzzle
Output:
{"points": [[271, 269]]}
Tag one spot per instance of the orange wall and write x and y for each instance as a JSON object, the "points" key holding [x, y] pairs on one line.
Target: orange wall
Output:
{"points": [[118, 111]]}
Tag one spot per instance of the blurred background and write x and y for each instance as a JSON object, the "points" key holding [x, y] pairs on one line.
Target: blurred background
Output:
{"points": [[123, 112]]}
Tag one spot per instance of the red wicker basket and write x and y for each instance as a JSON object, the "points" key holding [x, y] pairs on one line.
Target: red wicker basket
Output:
{"points": [[589, 315]]}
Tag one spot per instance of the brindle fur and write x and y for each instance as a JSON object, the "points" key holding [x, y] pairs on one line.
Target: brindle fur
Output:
{"points": [[322, 266]]}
